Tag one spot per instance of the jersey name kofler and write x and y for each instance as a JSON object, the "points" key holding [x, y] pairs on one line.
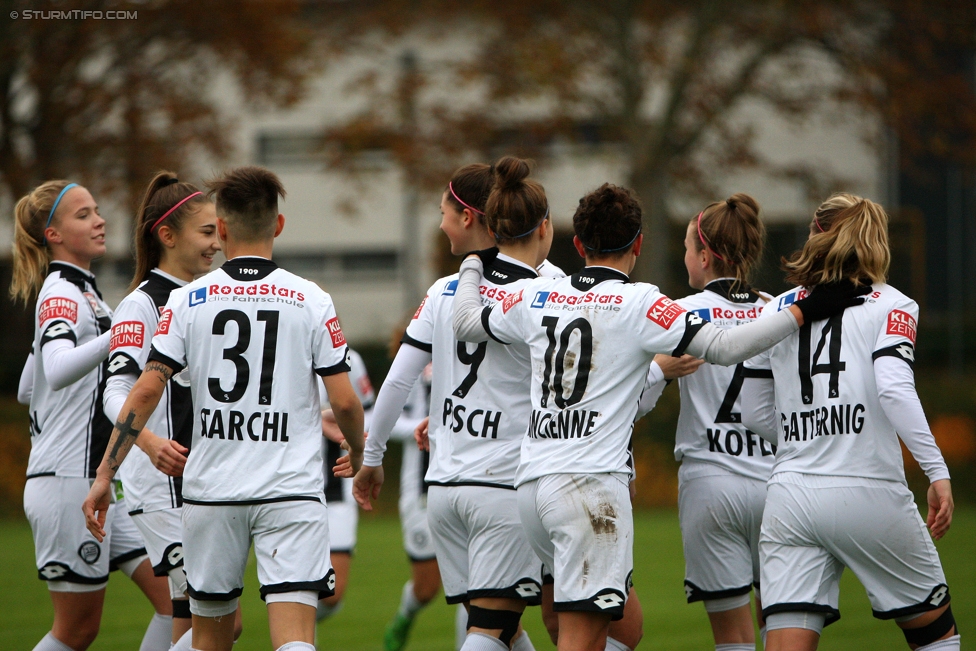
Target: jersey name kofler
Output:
{"points": [[592, 337], [710, 423], [253, 359], [830, 417]]}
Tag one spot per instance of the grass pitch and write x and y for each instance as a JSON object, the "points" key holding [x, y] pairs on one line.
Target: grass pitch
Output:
{"points": [[380, 568]]}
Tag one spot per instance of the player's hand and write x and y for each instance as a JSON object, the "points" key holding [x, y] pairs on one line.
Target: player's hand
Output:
{"points": [[824, 301], [167, 455], [366, 486], [421, 435], [95, 507], [940, 508], [675, 367], [330, 428]]}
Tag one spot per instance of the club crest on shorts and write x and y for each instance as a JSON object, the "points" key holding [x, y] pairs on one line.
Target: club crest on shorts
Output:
{"points": [[90, 552]]}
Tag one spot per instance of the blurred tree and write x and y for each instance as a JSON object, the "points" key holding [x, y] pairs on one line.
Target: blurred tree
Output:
{"points": [[663, 81], [110, 102]]}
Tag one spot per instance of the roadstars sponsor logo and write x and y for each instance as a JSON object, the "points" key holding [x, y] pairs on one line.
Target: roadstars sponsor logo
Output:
{"points": [[420, 309], [162, 328], [58, 308], [511, 301], [902, 324], [127, 333], [335, 331], [664, 312], [555, 298]]}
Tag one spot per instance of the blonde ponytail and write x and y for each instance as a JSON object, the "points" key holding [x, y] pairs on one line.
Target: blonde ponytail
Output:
{"points": [[849, 240], [31, 254]]}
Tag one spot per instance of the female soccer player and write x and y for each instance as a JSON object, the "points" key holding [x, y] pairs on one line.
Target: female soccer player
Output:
{"points": [[841, 395], [724, 467], [175, 241], [58, 232], [592, 337], [482, 553]]}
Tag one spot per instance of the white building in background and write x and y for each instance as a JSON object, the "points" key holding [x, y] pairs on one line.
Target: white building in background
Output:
{"points": [[347, 232]]}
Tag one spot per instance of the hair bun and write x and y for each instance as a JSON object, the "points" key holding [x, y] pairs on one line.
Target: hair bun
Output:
{"points": [[510, 172]]}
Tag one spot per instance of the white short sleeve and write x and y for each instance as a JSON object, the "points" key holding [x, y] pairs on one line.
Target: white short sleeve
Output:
{"points": [[131, 338], [897, 335], [420, 330], [330, 354], [168, 343]]}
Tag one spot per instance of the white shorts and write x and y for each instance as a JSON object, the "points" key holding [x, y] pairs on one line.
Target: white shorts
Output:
{"points": [[582, 526], [417, 540], [163, 532], [480, 545], [343, 520], [291, 544], [127, 542], [813, 528], [720, 516]]}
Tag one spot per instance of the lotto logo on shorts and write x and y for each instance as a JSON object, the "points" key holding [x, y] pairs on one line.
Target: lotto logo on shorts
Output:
{"points": [[127, 333], [902, 324], [664, 312], [605, 601], [58, 308], [335, 331], [162, 328], [420, 309], [511, 301], [198, 296]]}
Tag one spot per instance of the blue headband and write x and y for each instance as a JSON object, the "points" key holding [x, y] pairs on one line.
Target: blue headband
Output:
{"points": [[619, 248], [55, 207], [532, 230]]}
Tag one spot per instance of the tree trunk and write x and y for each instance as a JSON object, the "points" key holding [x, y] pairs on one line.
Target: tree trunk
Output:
{"points": [[654, 265]]}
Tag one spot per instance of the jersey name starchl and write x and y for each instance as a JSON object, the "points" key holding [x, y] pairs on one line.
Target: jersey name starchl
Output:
{"points": [[710, 423], [592, 337], [69, 430], [146, 488], [335, 486], [476, 424], [252, 337], [829, 415]]}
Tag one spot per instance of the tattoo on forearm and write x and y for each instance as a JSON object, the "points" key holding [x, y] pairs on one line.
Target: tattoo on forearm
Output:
{"points": [[122, 439], [161, 368]]}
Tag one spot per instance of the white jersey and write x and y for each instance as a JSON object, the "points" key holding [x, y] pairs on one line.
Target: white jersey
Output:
{"points": [[592, 338], [827, 407], [253, 337], [69, 430], [476, 424], [335, 487], [710, 423], [146, 488]]}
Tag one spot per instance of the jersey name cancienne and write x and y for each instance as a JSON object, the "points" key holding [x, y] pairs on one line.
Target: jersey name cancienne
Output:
{"points": [[710, 423], [252, 337], [478, 402], [592, 337], [337, 489], [827, 407], [69, 430], [146, 488]]}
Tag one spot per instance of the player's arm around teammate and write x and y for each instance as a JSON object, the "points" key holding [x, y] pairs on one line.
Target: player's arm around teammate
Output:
{"points": [[837, 496]]}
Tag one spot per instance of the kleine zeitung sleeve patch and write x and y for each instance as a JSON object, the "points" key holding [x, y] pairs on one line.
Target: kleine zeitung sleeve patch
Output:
{"points": [[335, 331], [127, 334], [162, 328], [416, 315], [58, 308], [665, 312], [902, 324]]}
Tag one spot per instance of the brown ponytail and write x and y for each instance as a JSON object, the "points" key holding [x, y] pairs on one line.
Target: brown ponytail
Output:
{"points": [[849, 240], [517, 204], [735, 235], [31, 254], [163, 192]]}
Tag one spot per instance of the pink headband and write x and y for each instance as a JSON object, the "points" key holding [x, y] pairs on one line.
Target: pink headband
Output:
{"points": [[451, 188], [702, 238], [170, 211], [819, 227]]}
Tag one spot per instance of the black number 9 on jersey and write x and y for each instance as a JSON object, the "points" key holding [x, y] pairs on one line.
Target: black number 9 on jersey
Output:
{"points": [[236, 355]]}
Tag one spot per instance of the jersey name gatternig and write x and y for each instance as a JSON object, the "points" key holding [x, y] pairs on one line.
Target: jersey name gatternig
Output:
{"points": [[592, 337], [146, 488], [252, 337], [478, 402], [710, 423], [69, 430], [829, 414]]}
